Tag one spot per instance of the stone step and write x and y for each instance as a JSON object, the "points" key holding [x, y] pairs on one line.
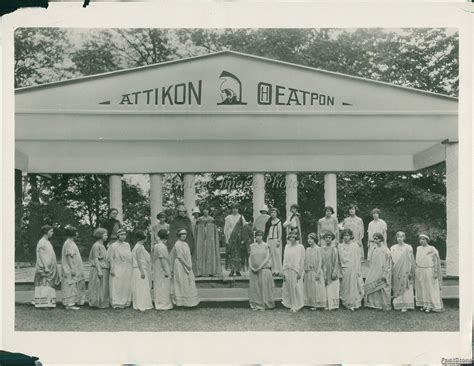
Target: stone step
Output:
{"points": [[216, 295]]}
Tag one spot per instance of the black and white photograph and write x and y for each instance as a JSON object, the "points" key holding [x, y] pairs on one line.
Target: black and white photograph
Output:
{"points": [[307, 170], [237, 179]]}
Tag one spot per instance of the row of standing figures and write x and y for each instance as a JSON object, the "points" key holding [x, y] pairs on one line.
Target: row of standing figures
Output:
{"points": [[322, 276], [204, 239]]}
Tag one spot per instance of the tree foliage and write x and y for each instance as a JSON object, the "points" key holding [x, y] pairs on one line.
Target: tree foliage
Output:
{"points": [[41, 56]]}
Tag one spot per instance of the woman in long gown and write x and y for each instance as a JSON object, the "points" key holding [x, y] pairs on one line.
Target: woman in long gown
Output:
{"points": [[120, 282], [378, 283], [331, 270], [328, 223], [99, 273], [356, 225], [273, 235], [141, 280], [352, 285], [183, 291], [208, 258], [293, 272], [47, 277], [403, 274], [233, 232], [260, 277], [73, 283], [428, 277], [162, 273], [314, 289]]}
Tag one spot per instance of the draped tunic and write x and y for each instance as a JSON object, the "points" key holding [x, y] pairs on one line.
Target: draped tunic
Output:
{"points": [[274, 237], [46, 275], [332, 273], [379, 279], [293, 267], [141, 287], [261, 283], [208, 260], [428, 278], [161, 277], [120, 257], [98, 285], [403, 274], [72, 271], [235, 249], [351, 283], [314, 286], [403, 271], [184, 292]]}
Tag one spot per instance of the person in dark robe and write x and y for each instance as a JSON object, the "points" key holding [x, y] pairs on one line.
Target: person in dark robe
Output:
{"points": [[112, 225], [182, 221], [233, 231]]}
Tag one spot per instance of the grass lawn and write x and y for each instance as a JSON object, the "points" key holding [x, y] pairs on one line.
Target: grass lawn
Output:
{"points": [[232, 317]]}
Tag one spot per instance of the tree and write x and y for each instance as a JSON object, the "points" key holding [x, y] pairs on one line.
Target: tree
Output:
{"points": [[97, 54]]}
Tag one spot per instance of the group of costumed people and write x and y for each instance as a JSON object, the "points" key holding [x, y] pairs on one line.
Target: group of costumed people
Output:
{"points": [[329, 271], [325, 273]]}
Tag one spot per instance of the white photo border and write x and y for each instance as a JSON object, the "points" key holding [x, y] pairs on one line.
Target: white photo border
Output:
{"points": [[239, 347]]}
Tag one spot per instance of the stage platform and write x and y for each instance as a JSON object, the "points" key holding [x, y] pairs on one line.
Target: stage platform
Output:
{"points": [[210, 289]]}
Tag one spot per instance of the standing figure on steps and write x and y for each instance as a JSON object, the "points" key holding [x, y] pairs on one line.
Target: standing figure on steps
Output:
{"points": [[293, 223], [208, 260], [274, 237], [233, 230], [261, 220], [356, 225], [182, 221]]}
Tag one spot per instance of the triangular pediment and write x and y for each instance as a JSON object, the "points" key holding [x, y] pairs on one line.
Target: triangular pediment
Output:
{"points": [[227, 82]]}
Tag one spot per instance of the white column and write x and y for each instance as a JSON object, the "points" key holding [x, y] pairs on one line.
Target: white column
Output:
{"points": [[115, 194], [258, 190], [452, 206], [189, 193], [156, 196], [291, 185], [330, 191]]}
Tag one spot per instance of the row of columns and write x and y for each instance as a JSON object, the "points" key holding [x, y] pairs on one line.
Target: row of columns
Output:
{"points": [[258, 184]]}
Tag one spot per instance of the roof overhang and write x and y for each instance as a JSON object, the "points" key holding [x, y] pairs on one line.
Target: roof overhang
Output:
{"points": [[277, 117]]}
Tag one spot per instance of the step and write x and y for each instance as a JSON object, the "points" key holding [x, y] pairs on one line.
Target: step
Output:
{"points": [[25, 293], [204, 294]]}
